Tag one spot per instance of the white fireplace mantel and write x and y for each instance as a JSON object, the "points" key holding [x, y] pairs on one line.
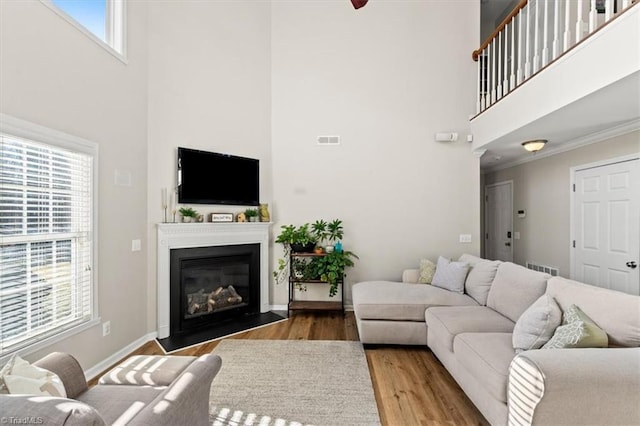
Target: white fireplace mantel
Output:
{"points": [[188, 235]]}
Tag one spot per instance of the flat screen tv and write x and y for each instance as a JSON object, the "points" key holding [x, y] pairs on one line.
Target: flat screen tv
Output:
{"points": [[214, 178]]}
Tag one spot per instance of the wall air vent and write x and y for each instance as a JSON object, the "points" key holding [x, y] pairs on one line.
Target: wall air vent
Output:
{"points": [[328, 140], [554, 272]]}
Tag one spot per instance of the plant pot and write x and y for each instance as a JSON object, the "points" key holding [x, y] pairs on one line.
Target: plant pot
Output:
{"points": [[253, 219], [328, 249], [299, 248], [187, 219]]}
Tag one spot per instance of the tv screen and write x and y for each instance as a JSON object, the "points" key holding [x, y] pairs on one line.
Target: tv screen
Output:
{"points": [[214, 178]]}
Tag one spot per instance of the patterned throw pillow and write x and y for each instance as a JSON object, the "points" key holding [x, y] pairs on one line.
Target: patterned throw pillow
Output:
{"points": [[427, 269], [450, 275], [537, 324], [577, 331], [20, 377]]}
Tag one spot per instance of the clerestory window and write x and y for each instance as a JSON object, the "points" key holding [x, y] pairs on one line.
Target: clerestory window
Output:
{"points": [[47, 234], [101, 19]]}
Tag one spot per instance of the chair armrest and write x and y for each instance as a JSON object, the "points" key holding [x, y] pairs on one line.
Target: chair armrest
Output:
{"points": [[575, 386], [69, 371], [47, 410], [410, 275], [186, 398]]}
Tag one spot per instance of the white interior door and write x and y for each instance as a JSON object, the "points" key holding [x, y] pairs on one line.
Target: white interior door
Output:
{"points": [[498, 214], [606, 225]]}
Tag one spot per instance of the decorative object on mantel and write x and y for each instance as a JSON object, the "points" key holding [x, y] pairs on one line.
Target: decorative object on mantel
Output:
{"points": [[357, 4], [241, 217], [221, 217], [168, 204], [264, 213], [188, 214], [251, 215]]}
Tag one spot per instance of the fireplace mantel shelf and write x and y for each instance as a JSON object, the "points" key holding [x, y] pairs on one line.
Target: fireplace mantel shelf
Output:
{"points": [[184, 235]]}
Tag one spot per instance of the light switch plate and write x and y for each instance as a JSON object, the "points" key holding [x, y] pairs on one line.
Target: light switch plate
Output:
{"points": [[465, 238], [136, 245]]}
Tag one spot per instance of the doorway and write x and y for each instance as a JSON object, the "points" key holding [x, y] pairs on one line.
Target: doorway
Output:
{"points": [[498, 221], [605, 224]]}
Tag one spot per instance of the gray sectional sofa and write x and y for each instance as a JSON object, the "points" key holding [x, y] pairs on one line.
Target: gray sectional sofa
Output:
{"points": [[472, 335]]}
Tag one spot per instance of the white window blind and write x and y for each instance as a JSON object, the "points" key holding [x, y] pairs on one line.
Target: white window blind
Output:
{"points": [[46, 238]]}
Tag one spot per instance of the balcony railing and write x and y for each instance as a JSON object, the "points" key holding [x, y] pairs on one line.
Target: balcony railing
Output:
{"points": [[534, 34]]}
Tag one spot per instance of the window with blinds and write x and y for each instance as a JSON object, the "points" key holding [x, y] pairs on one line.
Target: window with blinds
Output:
{"points": [[46, 240]]}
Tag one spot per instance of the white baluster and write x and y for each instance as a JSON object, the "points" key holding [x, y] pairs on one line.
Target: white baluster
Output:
{"points": [[625, 4], [527, 49], [608, 10], [499, 70], [545, 43], [520, 75], [505, 81], [556, 29], [493, 72], [512, 77], [536, 37], [593, 16], [479, 85], [567, 25], [579, 22]]}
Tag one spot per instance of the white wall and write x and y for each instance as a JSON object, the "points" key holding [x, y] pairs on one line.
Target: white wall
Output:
{"points": [[541, 188], [53, 75], [385, 78], [209, 89]]}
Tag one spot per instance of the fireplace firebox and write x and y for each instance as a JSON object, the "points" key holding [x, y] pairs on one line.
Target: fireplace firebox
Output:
{"points": [[210, 286]]}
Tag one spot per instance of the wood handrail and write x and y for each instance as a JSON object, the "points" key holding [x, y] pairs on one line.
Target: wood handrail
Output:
{"points": [[494, 34]]}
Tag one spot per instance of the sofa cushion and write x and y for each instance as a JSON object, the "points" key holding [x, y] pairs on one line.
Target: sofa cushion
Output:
{"points": [[121, 404], [487, 357], [20, 377], [150, 370], [515, 288], [618, 314], [401, 301], [537, 324], [445, 323], [450, 275], [480, 277]]}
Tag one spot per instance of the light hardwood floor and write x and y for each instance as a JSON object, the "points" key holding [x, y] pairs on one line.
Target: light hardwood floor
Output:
{"points": [[410, 384]]}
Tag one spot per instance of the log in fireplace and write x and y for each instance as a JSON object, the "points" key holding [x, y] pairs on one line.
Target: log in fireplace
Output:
{"points": [[210, 286]]}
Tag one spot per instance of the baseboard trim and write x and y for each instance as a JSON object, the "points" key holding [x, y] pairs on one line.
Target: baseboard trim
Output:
{"points": [[94, 371], [278, 307]]}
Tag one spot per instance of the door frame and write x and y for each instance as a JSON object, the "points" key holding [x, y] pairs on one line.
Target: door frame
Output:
{"points": [[486, 216], [572, 195]]}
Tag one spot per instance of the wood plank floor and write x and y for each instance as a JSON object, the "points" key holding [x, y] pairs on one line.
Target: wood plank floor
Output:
{"points": [[410, 384]]}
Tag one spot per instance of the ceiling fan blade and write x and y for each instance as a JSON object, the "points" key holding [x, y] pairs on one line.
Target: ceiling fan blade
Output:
{"points": [[358, 3]]}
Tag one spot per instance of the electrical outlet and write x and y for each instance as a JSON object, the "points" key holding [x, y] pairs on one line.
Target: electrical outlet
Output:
{"points": [[465, 238], [106, 328]]}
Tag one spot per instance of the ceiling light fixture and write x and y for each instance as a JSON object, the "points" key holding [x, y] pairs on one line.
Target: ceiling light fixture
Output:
{"points": [[534, 145]]}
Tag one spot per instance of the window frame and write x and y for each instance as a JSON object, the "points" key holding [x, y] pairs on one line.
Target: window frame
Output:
{"points": [[23, 129], [115, 27]]}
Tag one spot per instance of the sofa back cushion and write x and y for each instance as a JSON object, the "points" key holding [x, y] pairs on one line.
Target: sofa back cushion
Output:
{"points": [[618, 314], [481, 275], [515, 288]]}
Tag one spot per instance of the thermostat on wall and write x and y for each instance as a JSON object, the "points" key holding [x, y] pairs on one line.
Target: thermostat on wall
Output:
{"points": [[521, 214]]}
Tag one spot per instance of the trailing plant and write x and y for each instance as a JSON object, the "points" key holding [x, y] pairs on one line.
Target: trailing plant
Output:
{"points": [[331, 268]]}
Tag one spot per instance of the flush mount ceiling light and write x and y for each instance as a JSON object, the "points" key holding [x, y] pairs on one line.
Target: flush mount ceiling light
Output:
{"points": [[534, 145]]}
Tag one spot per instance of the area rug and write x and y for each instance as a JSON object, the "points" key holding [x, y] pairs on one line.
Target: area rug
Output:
{"points": [[292, 382]]}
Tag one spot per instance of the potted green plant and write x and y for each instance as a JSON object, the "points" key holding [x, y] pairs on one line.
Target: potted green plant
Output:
{"points": [[188, 214], [294, 239], [251, 215], [331, 268]]}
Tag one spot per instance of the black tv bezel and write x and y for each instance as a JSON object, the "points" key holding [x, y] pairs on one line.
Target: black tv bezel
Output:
{"points": [[227, 202]]}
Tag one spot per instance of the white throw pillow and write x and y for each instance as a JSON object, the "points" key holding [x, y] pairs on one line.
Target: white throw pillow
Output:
{"points": [[20, 377], [480, 278], [450, 275], [537, 324], [427, 270]]}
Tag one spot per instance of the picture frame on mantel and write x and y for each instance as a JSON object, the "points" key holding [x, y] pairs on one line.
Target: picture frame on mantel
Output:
{"points": [[221, 217]]}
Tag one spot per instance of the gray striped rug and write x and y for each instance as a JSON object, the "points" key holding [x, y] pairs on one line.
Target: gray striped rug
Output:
{"points": [[292, 382]]}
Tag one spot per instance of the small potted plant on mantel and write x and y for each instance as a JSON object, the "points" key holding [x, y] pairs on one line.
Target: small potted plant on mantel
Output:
{"points": [[188, 214], [251, 215]]}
